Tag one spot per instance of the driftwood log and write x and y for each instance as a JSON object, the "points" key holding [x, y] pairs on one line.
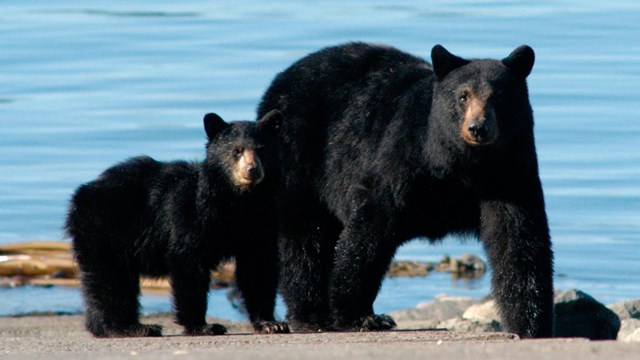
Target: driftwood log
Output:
{"points": [[50, 263]]}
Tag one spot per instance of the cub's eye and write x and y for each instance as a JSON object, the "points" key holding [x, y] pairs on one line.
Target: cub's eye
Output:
{"points": [[463, 98], [236, 152]]}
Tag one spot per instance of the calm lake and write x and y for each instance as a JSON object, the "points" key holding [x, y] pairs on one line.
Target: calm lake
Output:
{"points": [[86, 84]]}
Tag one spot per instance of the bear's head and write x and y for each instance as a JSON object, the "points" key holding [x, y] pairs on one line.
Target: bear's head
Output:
{"points": [[486, 101], [243, 152]]}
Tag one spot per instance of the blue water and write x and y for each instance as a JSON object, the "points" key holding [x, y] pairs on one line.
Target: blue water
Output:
{"points": [[86, 84]]}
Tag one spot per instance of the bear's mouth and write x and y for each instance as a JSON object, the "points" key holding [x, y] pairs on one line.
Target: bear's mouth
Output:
{"points": [[478, 141], [248, 180]]}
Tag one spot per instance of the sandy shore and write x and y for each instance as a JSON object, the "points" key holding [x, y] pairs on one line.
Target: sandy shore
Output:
{"points": [[63, 337]]}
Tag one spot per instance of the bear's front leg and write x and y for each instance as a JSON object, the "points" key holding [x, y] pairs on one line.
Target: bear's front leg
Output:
{"points": [[190, 286], [362, 256], [516, 237]]}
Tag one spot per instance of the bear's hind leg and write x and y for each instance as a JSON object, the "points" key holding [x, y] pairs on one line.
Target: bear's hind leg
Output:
{"points": [[257, 280], [306, 256], [112, 307]]}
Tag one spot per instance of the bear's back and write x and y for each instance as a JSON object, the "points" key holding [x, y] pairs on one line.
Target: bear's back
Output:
{"points": [[126, 191], [336, 74]]}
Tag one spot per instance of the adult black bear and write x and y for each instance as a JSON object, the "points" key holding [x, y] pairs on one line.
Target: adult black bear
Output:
{"points": [[380, 147], [144, 217]]}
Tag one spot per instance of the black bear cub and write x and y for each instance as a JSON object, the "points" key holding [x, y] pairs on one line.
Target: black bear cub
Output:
{"points": [[181, 219]]}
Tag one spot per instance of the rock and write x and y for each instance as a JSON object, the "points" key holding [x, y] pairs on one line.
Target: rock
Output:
{"points": [[472, 262], [580, 315], [482, 312], [418, 324], [443, 308], [409, 268], [577, 315], [467, 266], [223, 276], [633, 337], [629, 330], [470, 326], [626, 309], [446, 312]]}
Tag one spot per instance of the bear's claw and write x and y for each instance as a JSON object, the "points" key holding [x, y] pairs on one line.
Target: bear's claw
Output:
{"points": [[377, 323], [271, 327]]}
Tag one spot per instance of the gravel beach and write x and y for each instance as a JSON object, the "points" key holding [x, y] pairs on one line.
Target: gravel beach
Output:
{"points": [[63, 337]]}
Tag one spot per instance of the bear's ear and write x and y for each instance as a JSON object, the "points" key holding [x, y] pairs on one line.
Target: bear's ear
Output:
{"points": [[271, 120], [520, 61], [213, 124], [444, 62]]}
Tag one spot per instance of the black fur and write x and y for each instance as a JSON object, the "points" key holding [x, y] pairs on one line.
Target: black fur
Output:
{"points": [[379, 147], [179, 219]]}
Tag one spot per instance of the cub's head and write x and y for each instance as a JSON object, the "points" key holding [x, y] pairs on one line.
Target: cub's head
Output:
{"points": [[244, 152], [486, 101]]}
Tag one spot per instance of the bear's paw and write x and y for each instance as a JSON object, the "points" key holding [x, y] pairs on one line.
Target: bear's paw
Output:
{"points": [[271, 327]]}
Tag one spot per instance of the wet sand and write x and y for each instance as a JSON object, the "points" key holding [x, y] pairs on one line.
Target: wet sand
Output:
{"points": [[63, 337]]}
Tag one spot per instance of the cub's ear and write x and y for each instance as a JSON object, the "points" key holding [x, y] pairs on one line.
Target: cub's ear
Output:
{"points": [[520, 61], [271, 120], [213, 124], [444, 62]]}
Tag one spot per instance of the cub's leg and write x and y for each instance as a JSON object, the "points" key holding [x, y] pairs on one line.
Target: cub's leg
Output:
{"points": [[111, 299], [190, 286]]}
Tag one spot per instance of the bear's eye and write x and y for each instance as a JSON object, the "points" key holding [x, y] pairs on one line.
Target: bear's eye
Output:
{"points": [[236, 152], [463, 98]]}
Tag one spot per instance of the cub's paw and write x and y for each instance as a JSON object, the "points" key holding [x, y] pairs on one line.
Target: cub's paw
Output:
{"points": [[271, 327], [206, 330], [377, 323]]}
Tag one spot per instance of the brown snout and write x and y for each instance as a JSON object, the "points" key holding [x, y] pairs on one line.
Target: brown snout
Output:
{"points": [[248, 169], [479, 126]]}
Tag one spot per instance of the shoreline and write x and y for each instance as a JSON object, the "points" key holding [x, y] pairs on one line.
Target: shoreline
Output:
{"points": [[51, 264], [64, 337]]}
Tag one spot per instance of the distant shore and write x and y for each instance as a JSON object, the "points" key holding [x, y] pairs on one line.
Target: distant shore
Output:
{"points": [[51, 263]]}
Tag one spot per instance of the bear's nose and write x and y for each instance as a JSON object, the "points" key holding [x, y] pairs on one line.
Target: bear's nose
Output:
{"points": [[252, 172], [478, 130]]}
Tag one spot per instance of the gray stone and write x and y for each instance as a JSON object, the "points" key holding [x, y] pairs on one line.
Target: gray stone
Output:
{"points": [[472, 262], [470, 326], [409, 268], [467, 266], [580, 315], [482, 312], [629, 330], [443, 308], [633, 337], [626, 309], [418, 324]]}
